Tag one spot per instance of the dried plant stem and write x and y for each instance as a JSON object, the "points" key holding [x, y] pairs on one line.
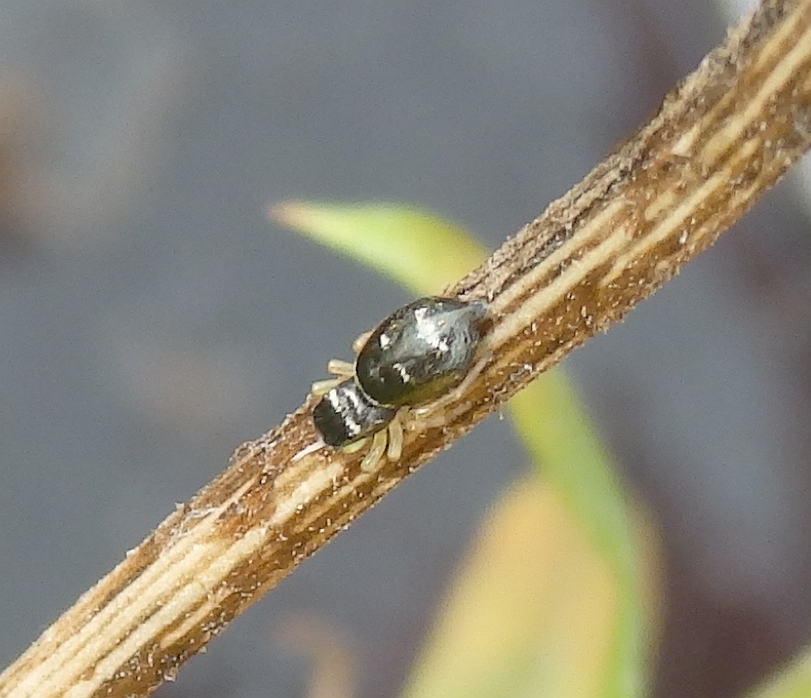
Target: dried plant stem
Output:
{"points": [[721, 138]]}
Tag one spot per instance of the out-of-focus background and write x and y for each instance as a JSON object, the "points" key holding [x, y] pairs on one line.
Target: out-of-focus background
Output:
{"points": [[152, 319]]}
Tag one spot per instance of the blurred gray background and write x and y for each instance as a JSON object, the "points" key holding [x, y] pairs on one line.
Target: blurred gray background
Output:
{"points": [[151, 318]]}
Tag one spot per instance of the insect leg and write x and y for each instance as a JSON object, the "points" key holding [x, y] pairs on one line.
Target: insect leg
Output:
{"points": [[361, 340], [395, 448], [337, 367], [323, 387], [378, 447]]}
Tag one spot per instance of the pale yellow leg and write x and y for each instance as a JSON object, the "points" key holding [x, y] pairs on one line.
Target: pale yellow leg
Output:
{"points": [[376, 451], [323, 387], [355, 446], [337, 367], [359, 343], [453, 395], [395, 447]]}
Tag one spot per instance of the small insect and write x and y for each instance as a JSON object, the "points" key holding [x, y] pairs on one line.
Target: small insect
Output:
{"points": [[416, 356]]}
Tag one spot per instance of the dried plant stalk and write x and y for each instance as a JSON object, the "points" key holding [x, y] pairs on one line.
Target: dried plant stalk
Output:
{"points": [[720, 139]]}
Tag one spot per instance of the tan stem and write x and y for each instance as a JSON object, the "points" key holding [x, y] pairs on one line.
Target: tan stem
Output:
{"points": [[721, 138]]}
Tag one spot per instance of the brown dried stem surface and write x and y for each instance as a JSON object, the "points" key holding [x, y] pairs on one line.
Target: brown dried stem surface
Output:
{"points": [[721, 138]]}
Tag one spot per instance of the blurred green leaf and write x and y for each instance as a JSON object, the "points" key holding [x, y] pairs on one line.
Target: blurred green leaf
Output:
{"points": [[792, 682], [421, 251], [566, 451], [530, 613]]}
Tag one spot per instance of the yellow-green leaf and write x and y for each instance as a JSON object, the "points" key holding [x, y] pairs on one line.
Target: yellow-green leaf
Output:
{"points": [[421, 251], [566, 451], [794, 681], [532, 610]]}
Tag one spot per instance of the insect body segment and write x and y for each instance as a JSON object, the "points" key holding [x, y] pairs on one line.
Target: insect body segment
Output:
{"points": [[420, 352], [345, 414], [414, 357]]}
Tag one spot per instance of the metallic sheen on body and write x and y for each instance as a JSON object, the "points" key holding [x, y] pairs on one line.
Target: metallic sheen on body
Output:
{"points": [[415, 356], [420, 351]]}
